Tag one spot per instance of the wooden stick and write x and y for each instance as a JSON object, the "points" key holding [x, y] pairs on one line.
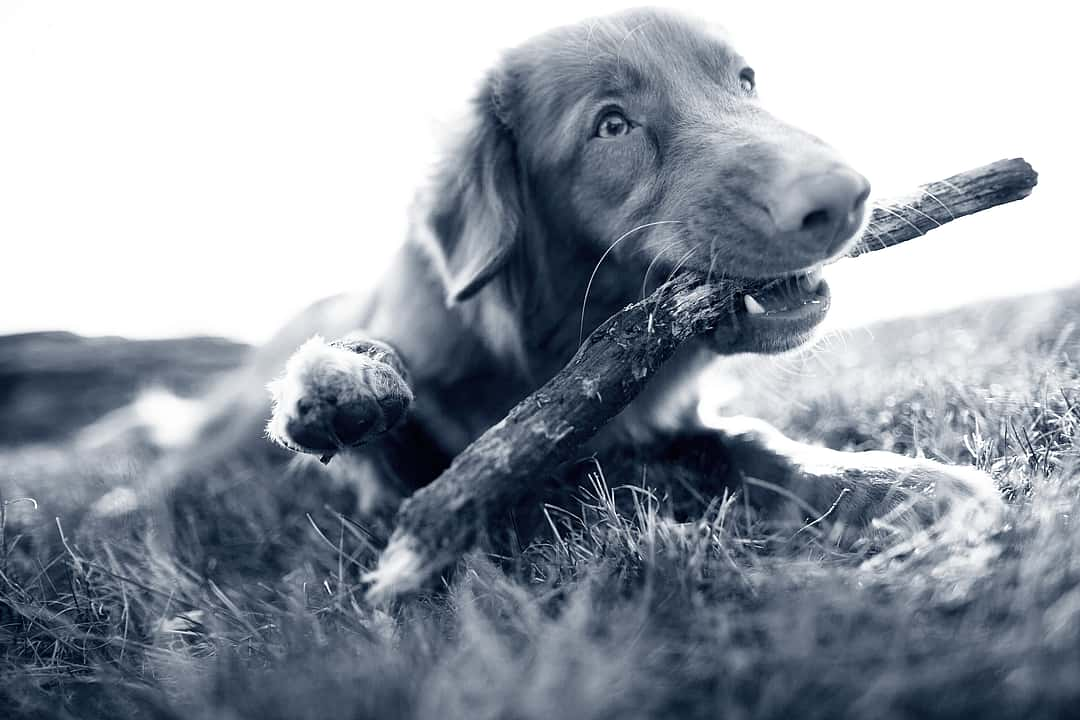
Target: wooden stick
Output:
{"points": [[441, 521]]}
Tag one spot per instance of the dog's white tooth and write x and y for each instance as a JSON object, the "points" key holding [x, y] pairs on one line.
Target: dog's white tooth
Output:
{"points": [[811, 279], [753, 306]]}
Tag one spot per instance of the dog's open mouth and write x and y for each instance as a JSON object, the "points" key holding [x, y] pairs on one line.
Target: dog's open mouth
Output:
{"points": [[782, 312], [803, 295]]}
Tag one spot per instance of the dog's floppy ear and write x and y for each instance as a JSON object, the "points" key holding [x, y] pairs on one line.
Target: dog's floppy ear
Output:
{"points": [[477, 213]]}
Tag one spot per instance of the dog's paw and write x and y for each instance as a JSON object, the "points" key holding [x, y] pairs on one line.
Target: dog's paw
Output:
{"points": [[957, 513], [338, 395], [963, 500], [866, 488]]}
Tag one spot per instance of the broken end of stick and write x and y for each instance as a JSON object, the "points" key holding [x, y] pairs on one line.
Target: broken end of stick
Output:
{"points": [[896, 221], [401, 570], [1015, 176], [1028, 174]]}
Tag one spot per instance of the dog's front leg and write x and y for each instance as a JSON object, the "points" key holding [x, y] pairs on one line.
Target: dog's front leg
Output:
{"points": [[856, 489], [338, 395]]}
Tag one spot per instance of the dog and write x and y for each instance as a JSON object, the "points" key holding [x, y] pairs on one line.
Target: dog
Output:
{"points": [[599, 160]]}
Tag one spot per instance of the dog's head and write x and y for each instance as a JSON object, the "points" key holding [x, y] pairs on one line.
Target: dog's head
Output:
{"points": [[641, 136]]}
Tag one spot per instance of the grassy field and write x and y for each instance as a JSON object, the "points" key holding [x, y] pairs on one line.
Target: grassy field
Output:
{"points": [[616, 610]]}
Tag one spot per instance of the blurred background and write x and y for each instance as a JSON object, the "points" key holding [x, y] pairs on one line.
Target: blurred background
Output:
{"points": [[210, 168]]}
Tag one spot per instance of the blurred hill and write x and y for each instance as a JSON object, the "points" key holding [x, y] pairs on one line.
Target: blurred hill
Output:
{"points": [[848, 390], [52, 383]]}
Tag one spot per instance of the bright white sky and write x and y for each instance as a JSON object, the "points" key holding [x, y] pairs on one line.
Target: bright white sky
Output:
{"points": [[211, 167]]}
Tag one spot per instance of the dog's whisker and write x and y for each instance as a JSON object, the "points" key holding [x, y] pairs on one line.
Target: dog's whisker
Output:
{"points": [[588, 41], [626, 37], [878, 233], [674, 270], [792, 365], [645, 280], [901, 218], [952, 187], [934, 197], [596, 268], [920, 212], [880, 240], [712, 260]]}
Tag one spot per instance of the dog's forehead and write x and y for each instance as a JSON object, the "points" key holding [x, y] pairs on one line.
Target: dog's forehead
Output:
{"points": [[653, 42], [639, 44], [559, 77], [619, 55]]}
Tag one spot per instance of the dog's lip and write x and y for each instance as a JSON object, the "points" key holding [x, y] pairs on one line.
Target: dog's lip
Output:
{"points": [[802, 298]]}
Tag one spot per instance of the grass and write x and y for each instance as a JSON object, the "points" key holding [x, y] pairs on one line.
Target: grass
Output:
{"points": [[616, 609]]}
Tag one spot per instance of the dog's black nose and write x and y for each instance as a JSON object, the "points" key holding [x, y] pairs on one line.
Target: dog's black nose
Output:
{"points": [[822, 209]]}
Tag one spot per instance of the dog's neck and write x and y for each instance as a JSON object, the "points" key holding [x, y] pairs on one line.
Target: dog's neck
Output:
{"points": [[558, 293], [552, 292]]}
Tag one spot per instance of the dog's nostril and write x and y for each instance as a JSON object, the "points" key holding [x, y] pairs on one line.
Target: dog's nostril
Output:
{"points": [[303, 407], [818, 207], [816, 220]]}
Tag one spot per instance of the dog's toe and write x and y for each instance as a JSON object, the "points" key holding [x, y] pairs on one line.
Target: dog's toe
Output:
{"points": [[310, 436], [355, 421], [331, 397]]}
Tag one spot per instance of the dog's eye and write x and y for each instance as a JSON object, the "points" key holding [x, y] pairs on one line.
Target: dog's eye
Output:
{"points": [[746, 80], [612, 124]]}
